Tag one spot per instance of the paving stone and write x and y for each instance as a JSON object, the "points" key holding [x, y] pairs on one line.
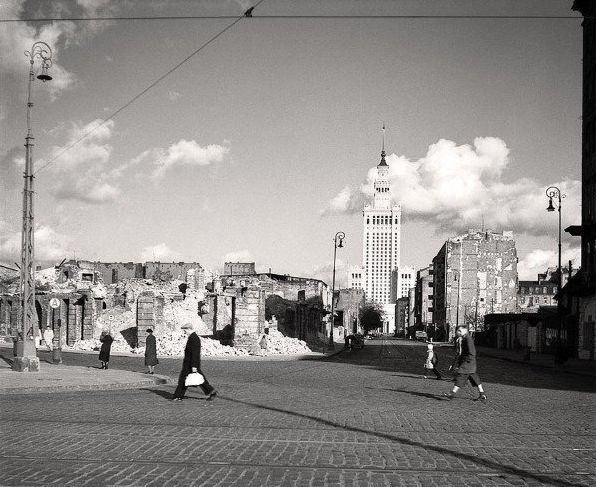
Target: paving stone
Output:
{"points": [[360, 418]]}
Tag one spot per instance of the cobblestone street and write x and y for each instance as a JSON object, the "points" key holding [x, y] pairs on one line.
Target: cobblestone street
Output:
{"points": [[365, 417]]}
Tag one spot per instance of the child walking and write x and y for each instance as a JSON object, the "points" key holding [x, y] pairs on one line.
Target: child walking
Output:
{"points": [[431, 361]]}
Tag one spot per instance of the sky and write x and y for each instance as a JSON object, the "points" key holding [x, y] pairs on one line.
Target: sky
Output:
{"points": [[264, 144]]}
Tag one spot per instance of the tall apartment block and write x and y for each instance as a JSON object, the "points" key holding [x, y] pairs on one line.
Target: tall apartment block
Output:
{"points": [[474, 274]]}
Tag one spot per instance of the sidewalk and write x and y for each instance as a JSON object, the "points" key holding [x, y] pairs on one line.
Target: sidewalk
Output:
{"points": [[572, 366], [64, 378]]}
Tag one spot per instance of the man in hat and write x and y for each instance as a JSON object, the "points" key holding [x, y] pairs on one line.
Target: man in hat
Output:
{"points": [[192, 363]]}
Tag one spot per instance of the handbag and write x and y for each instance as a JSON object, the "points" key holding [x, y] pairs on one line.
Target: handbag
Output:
{"points": [[194, 379]]}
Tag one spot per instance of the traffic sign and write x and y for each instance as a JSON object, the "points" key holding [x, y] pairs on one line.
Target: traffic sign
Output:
{"points": [[54, 303]]}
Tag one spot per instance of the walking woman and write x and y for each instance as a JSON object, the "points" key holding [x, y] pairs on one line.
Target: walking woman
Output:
{"points": [[151, 352], [192, 363], [106, 346]]}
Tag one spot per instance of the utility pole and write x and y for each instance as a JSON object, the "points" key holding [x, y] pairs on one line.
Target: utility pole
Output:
{"points": [[26, 359]]}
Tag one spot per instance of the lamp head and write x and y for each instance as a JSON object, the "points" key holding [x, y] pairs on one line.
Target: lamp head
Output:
{"points": [[44, 76], [341, 243], [550, 204]]}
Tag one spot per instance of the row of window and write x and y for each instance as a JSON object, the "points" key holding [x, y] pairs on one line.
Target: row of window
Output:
{"points": [[381, 220], [539, 290]]}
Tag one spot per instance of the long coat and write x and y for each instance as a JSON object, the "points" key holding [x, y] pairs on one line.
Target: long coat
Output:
{"points": [[106, 347], [465, 360], [151, 351], [192, 354]]}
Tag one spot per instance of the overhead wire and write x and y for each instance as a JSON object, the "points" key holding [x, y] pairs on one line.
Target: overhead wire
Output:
{"points": [[145, 90], [211, 17]]}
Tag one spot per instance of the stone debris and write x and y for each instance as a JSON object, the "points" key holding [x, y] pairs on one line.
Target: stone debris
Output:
{"points": [[172, 344], [279, 344]]}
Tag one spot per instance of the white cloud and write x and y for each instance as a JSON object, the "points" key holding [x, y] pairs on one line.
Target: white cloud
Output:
{"points": [[49, 244], [173, 95], [324, 272], [161, 253], [539, 260], [183, 152], [81, 171], [238, 256], [187, 152], [454, 188], [91, 151]]}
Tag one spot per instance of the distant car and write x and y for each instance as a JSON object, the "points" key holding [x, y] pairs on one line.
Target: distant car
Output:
{"points": [[357, 340], [421, 336]]}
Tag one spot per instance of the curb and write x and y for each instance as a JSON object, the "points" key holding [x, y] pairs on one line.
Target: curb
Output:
{"points": [[541, 366], [148, 382]]}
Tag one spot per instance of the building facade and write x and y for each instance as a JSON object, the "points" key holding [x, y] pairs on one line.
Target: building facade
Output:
{"points": [[474, 274], [424, 297], [586, 290], [381, 222], [406, 280], [533, 294], [355, 277]]}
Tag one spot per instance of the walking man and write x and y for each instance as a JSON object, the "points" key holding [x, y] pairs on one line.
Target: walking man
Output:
{"points": [[192, 363], [464, 365]]}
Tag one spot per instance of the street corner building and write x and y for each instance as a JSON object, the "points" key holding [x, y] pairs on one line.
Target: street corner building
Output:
{"points": [[474, 274]]}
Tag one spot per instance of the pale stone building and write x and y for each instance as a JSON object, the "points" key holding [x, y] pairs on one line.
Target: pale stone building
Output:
{"points": [[474, 274]]}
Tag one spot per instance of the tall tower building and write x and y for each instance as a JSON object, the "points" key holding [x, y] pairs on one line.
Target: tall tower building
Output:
{"points": [[381, 240]]}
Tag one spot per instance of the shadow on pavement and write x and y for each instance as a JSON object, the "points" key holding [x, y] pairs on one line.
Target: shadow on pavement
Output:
{"points": [[406, 359], [487, 463], [7, 360], [169, 395], [412, 393]]}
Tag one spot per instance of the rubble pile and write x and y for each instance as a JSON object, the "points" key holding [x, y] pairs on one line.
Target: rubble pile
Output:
{"points": [[173, 343], [176, 312], [116, 319], [48, 279], [170, 345], [278, 343]]}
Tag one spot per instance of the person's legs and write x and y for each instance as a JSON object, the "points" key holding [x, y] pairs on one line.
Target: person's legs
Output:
{"points": [[459, 381], [208, 389], [437, 373], [475, 381], [181, 389]]}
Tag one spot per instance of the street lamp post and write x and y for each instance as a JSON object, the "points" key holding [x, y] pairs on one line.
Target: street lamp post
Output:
{"points": [[554, 192], [338, 241], [26, 359]]}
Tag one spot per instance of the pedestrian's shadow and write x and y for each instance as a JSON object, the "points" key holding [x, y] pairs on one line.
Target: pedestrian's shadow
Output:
{"points": [[169, 395], [7, 360], [412, 393], [487, 463], [159, 392]]}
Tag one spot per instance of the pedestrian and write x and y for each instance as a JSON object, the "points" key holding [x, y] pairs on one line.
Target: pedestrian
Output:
{"points": [[263, 343], [192, 363], [106, 346], [48, 337], [464, 365], [151, 352], [431, 361]]}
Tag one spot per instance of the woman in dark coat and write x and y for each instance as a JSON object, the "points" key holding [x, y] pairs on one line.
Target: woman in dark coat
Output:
{"points": [[106, 346], [151, 351], [192, 363], [464, 365]]}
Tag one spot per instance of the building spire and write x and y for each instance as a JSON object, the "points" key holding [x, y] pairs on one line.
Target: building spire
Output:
{"points": [[383, 163]]}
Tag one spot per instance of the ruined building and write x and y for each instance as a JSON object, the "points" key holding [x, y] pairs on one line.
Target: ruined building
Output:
{"points": [[474, 274]]}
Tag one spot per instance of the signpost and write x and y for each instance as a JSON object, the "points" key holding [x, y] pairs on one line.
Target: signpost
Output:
{"points": [[57, 348]]}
